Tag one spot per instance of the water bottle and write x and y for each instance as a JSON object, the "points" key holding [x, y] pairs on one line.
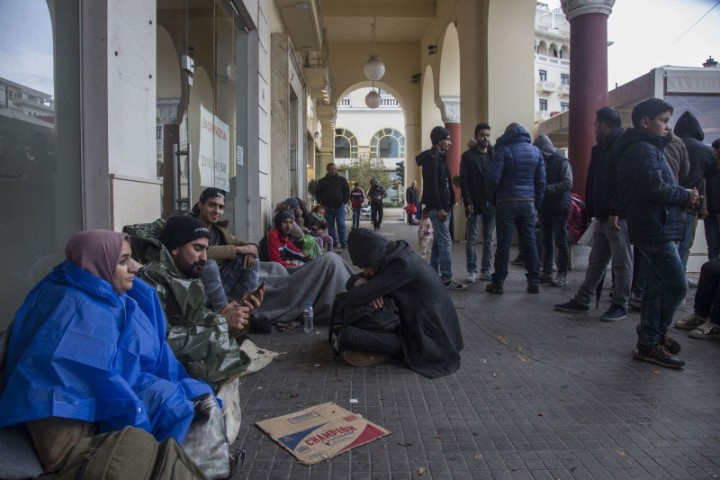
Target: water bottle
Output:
{"points": [[309, 324]]}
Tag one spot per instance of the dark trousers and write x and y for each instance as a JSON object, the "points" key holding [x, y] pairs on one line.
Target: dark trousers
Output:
{"points": [[707, 297], [358, 339], [376, 212]]}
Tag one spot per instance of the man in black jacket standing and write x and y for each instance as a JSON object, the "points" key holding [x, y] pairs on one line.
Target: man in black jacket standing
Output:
{"points": [[610, 237], [473, 170], [412, 197], [654, 202], [333, 192], [439, 197]]}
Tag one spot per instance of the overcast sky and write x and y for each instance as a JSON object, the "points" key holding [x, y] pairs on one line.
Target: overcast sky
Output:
{"points": [[652, 33], [647, 34]]}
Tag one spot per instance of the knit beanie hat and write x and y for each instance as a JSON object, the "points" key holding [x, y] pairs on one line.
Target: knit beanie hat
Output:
{"points": [[280, 216], [182, 229], [437, 134]]}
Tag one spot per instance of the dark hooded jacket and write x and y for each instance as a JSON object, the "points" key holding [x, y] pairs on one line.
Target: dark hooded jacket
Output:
{"points": [[517, 170], [558, 176], [438, 193], [473, 171], [702, 160], [601, 198], [429, 328], [648, 191]]}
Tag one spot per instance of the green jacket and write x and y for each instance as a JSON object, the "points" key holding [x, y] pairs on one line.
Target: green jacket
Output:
{"points": [[198, 336]]}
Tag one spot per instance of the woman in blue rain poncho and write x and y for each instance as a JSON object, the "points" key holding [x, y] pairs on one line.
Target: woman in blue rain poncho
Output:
{"points": [[87, 347]]}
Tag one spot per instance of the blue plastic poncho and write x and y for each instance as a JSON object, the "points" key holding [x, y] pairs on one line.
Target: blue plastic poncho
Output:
{"points": [[80, 350]]}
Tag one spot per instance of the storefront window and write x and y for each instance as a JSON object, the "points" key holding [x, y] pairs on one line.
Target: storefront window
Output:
{"points": [[196, 100], [40, 183]]}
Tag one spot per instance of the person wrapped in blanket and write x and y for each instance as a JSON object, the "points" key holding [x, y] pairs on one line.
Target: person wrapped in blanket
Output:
{"points": [[280, 248], [397, 307], [87, 354]]}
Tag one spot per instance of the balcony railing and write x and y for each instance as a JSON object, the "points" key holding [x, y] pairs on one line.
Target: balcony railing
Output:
{"points": [[545, 86], [564, 90], [542, 115]]}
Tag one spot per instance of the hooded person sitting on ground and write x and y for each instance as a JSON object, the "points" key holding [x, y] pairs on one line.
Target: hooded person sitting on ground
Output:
{"points": [[396, 282]]}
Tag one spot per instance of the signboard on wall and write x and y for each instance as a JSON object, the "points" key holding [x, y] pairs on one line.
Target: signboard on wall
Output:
{"points": [[214, 154]]}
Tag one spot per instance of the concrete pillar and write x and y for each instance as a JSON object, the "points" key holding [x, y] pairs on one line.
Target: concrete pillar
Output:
{"points": [[450, 109], [588, 78]]}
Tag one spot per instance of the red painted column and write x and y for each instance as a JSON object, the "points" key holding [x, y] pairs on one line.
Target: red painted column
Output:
{"points": [[454, 154], [588, 79], [450, 108]]}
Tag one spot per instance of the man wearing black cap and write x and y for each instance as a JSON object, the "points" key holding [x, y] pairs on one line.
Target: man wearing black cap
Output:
{"points": [[232, 269], [381, 314], [439, 197]]}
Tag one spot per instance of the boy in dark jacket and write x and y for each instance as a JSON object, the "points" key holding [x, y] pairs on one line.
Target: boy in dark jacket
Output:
{"points": [[654, 204], [428, 334], [554, 212]]}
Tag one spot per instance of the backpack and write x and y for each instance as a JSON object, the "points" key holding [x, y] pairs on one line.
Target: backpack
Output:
{"points": [[128, 453]]}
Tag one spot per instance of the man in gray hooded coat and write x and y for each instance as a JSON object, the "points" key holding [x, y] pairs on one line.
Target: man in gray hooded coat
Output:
{"points": [[428, 334]]}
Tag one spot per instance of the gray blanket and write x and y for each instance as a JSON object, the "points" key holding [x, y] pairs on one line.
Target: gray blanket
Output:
{"points": [[287, 290]]}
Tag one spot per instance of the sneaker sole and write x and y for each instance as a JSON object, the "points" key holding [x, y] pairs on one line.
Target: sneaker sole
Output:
{"points": [[364, 359], [613, 319], [686, 326], [569, 310], [700, 336], [637, 356]]}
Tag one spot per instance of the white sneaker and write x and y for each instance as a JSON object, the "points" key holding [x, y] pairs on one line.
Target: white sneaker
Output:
{"points": [[472, 277]]}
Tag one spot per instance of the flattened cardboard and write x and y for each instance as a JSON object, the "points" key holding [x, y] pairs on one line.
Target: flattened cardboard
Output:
{"points": [[321, 432]]}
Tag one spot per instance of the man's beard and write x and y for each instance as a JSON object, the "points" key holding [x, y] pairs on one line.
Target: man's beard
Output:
{"points": [[193, 270]]}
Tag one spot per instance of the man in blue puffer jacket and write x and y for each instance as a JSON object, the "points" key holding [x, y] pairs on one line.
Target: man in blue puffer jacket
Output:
{"points": [[654, 204], [516, 182]]}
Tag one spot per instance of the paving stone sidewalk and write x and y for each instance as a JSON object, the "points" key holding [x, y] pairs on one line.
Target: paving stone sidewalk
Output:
{"points": [[540, 395]]}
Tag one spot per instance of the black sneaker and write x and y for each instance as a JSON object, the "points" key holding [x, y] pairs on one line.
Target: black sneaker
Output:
{"points": [[533, 288], [519, 260], [613, 314], [494, 288], [453, 285], [671, 344], [658, 354], [546, 278], [573, 306]]}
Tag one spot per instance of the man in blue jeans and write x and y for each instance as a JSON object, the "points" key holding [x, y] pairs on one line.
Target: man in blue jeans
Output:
{"points": [[516, 180], [439, 197], [473, 170], [654, 203], [333, 192]]}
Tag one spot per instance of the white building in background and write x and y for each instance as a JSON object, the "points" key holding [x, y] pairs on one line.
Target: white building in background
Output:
{"points": [[365, 133], [552, 62]]}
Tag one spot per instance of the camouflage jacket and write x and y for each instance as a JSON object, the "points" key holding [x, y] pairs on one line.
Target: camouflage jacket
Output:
{"points": [[198, 336]]}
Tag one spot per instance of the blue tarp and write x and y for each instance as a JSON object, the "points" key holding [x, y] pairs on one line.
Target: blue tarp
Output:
{"points": [[79, 350]]}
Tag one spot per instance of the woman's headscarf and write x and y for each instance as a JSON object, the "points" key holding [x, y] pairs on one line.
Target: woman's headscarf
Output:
{"points": [[96, 251]]}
